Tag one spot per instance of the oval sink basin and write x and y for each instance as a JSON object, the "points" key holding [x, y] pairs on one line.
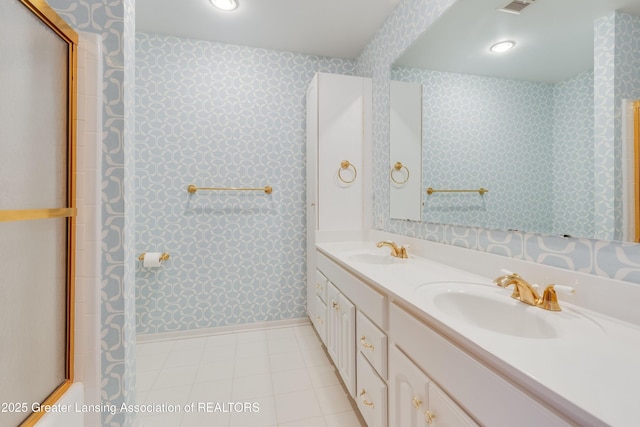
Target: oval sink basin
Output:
{"points": [[490, 308], [497, 316]]}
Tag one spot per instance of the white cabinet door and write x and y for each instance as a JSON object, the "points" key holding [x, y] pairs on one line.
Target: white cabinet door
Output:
{"points": [[347, 343], [340, 137], [408, 391], [333, 322], [341, 331], [415, 400]]}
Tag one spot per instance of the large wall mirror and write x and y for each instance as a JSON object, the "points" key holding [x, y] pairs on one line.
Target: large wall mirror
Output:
{"points": [[536, 138]]}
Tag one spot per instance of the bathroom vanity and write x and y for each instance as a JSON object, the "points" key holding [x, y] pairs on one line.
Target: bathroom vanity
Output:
{"points": [[421, 341]]}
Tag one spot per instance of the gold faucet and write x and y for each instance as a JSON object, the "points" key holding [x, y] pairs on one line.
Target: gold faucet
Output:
{"points": [[396, 251], [526, 293]]}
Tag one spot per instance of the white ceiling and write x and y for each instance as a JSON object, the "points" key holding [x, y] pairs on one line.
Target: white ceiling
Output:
{"points": [[332, 28], [554, 39]]}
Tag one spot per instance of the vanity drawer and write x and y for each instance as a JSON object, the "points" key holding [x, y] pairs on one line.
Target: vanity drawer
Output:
{"points": [[371, 395], [321, 286], [372, 343]]}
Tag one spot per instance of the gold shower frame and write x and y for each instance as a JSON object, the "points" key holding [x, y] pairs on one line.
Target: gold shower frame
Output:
{"points": [[636, 167], [52, 20]]}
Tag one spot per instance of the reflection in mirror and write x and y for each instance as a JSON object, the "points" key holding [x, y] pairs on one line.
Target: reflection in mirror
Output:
{"points": [[405, 133], [538, 125]]}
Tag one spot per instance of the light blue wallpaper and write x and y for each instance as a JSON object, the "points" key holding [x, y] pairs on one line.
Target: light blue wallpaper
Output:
{"points": [[604, 130], [600, 257], [113, 20], [219, 115], [572, 157]]}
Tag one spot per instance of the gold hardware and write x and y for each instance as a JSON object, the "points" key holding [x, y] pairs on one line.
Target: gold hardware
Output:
{"points": [[29, 214], [365, 401], [396, 251], [365, 344], [346, 165], [416, 402], [429, 417], [480, 191], [396, 168], [526, 293], [163, 257], [335, 305], [549, 300], [191, 189], [318, 286], [636, 162], [319, 320]]}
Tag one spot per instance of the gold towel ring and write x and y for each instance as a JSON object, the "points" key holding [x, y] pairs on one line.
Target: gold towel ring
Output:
{"points": [[346, 165], [396, 168]]}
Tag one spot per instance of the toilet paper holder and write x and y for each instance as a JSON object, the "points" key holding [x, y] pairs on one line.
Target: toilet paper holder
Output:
{"points": [[163, 257]]}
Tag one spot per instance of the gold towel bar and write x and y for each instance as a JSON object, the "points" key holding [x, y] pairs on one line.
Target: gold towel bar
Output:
{"points": [[480, 191], [163, 257], [192, 189]]}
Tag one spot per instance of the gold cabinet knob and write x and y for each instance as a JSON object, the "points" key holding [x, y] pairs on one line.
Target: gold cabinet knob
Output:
{"points": [[417, 403], [429, 417]]}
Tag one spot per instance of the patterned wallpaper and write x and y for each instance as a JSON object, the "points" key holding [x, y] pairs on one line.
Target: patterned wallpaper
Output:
{"points": [[572, 157], [530, 143], [600, 257], [118, 330], [213, 115]]}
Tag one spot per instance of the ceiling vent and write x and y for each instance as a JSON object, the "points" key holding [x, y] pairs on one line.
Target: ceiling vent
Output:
{"points": [[516, 6]]}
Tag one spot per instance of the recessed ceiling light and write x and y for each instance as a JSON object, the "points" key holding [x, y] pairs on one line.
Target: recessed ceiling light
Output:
{"points": [[225, 4], [502, 46]]}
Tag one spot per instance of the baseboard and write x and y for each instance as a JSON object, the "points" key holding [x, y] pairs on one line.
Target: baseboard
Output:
{"points": [[220, 330]]}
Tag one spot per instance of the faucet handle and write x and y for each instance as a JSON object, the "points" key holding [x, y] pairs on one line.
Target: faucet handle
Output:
{"points": [[549, 300], [402, 251], [566, 290]]}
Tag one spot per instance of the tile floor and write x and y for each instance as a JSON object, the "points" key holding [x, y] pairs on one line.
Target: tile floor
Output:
{"points": [[284, 372]]}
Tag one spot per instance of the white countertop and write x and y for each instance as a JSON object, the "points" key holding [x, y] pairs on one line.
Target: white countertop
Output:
{"points": [[592, 375]]}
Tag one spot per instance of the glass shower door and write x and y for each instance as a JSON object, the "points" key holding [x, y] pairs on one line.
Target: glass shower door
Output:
{"points": [[37, 208]]}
